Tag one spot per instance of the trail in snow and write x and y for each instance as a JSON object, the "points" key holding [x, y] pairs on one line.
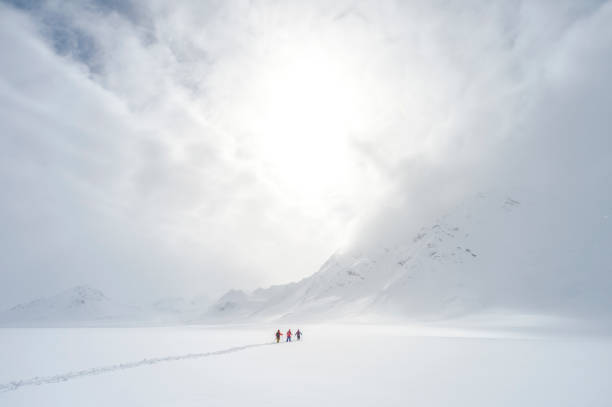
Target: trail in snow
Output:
{"points": [[36, 381]]}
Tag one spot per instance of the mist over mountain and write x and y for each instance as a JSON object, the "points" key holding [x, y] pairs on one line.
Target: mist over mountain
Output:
{"points": [[162, 150], [81, 304], [306, 203], [87, 306], [516, 254]]}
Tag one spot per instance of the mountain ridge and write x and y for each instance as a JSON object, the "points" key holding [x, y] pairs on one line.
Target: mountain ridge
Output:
{"points": [[494, 251]]}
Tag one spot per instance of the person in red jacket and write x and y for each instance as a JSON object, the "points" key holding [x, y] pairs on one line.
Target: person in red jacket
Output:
{"points": [[278, 335], [289, 335]]}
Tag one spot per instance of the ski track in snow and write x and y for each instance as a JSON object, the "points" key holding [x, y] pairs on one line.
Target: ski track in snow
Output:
{"points": [[36, 381]]}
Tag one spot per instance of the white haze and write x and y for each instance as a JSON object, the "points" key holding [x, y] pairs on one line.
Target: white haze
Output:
{"points": [[153, 149]]}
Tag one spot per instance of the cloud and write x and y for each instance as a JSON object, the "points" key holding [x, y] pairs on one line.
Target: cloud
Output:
{"points": [[115, 176], [195, 146], [510, 119]]}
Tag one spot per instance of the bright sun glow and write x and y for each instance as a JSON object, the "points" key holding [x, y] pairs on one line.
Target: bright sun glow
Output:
{"points": [[305, 106]]}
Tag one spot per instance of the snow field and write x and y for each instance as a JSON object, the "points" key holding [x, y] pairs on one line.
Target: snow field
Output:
{"points": [[333, 365]]}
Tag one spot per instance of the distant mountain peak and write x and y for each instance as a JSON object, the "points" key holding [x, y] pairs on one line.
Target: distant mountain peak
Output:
{"points": [[83, 293], [80, 304]]}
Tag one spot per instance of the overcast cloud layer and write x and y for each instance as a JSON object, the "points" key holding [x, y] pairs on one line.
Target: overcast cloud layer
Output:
{"points": [[164, 148]]}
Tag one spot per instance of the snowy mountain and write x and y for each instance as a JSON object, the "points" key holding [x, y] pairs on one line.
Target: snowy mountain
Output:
{"points": [[84, 305], [493, 252], [81, 304], [508, 252]]}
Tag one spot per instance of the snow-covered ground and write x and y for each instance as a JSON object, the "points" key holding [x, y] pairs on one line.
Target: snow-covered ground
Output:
{"points": [[356, 365]]}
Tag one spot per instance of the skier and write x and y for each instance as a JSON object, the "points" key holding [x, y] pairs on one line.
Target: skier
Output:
{"points": [[289, 335], [278, 335], [298, 334]]}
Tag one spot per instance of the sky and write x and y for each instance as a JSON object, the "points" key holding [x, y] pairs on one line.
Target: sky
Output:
{"points": [[154, 149]]}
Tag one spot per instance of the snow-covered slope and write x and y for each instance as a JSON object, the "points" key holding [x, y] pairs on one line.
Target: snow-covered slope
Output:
{"points": [[84, 305], [81, 304], [494, 251]]}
